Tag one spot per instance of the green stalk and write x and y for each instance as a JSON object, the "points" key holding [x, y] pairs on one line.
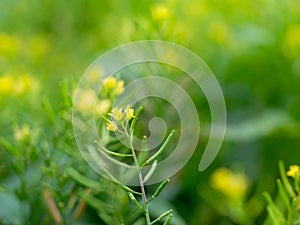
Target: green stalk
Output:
{"points": [[144, 197]]}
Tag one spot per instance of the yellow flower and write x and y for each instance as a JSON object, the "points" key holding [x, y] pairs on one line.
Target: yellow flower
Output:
{"points": [[94, 74], [22, 134], [110, 83], [24, 84], [9, 45], [102, 107], [128, 113], [119, 87], [117, 114], [291, 44], [86, 101], [294, 171], [6, 84], [160, 12], [112, 126], [232, 185], [219, 32], [38, 47]]}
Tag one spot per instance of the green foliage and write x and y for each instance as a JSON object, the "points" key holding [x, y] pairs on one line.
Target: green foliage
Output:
{"points": [[253, 47], [286, 209]]}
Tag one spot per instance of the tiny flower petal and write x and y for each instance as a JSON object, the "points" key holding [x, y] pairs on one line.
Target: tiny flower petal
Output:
{"points": [[117, 114], [128, 113], [294, 171], [111, 126]]}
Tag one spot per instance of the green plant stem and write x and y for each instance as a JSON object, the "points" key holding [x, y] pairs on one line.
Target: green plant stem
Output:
{"points": [[144, 197]]}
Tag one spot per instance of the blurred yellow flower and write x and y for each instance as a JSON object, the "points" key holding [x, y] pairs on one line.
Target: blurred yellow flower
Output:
{"points": [[291, 44], [117, 113], [7, 84], [22, 133], [102, 107], [113, 85], [24, 83], [160, 12], [110, 83], [232, 185], [14, 85], [119, 87], [38, 47], [86, 101], [219, 32], [294, 171], [94, 74], [9, 45]]}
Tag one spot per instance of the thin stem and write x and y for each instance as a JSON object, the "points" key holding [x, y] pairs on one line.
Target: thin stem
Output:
{"points": [[144, 197]]}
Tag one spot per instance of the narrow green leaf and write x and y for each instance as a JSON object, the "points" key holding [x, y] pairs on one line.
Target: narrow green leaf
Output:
{"points": [[162, 148], [143, 154], [159, 189], [283, 193], [292, 212], [96, 203], [133, 123], [102, 148], [125, 188], [133, 199], [134, 215], [274, 212], [48, 109], [65, 92], [162, 216], [168, 220], [140, 221], [8, 147], [85, 181], [151, 171], [285, 180], [105, 217]]}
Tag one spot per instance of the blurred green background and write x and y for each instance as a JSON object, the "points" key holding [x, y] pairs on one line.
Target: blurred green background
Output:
{"points": [[253, 48]]}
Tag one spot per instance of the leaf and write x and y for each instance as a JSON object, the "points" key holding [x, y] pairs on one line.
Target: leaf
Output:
{"points": [[283, 194], [49, 110], [133, 123], [8, 147], [168, 220], [159, 189], [140, 221], [162, 216], [133, 199], [285, 180], [96, 203], [151, 171], [162, 148], [274, 212], [85, 181]]}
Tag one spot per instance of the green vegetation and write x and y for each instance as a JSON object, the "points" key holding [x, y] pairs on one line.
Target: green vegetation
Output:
{"points": [[253, 48]]}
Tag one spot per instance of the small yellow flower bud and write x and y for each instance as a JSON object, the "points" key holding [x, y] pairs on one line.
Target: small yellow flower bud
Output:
{"points": [[22, 134], [119, 87], [110, 83], [112, 126], [232, 185], [102, 107], [6, 84], [128, 113], [294, 171], [117, 114], [160, 12]]}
